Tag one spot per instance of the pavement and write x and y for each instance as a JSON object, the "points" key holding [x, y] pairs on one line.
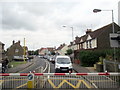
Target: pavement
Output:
{"points": [[81, 69], [77, 68]]}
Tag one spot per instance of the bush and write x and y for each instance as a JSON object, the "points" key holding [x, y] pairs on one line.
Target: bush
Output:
{"points": [[89, 58], [69, 51]]}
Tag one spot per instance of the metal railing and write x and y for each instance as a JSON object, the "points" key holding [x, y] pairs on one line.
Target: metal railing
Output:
{"points": [[61, 80]]}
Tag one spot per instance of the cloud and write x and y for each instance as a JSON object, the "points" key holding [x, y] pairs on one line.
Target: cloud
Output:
{"points": [[40, 22]]}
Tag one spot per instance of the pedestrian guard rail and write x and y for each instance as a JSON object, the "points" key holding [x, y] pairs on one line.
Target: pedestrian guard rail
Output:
{"points": [[59, 80]]}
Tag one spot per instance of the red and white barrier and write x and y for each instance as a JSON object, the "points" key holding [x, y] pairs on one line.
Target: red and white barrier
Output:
{"points": [[57, 74]]}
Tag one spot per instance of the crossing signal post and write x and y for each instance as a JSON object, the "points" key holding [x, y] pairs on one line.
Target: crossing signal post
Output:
{"points": [[115, 40]]}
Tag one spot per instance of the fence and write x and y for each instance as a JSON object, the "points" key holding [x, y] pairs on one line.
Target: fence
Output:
{"points": [[111, 66], [61, 80]]}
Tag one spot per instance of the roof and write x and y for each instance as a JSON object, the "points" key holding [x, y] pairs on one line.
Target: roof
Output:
{"points": [[42, 49], [60, 47], [1, 43], [96, 33], [50, 49]]}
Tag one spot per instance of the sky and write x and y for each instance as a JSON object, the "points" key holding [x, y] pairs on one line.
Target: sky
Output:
{"points": [[41, 22]]}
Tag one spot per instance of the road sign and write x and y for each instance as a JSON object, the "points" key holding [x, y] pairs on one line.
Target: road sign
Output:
{"points": [[30, 83], [115, 40], [30, 76]]}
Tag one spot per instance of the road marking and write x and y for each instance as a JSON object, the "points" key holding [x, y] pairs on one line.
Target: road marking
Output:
{"points": [[86, 84], [101, 81], [45, 67], [65, 81], [22, 85]]}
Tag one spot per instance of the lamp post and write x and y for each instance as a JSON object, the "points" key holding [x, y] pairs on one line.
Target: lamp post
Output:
{"points": [[72, 32], [72, 40], [113, 29], [99, 10]]}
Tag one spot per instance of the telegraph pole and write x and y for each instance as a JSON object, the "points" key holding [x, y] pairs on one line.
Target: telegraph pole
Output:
{"points": [[24, 50]]}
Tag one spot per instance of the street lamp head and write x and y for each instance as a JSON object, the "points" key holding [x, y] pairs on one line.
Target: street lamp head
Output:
{"points": [[97, 10], [64, 26]]}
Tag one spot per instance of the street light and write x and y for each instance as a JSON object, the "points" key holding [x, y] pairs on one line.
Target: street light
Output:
{"points": [[99, 10], [113, 29], [72, 32], [72, 40]]}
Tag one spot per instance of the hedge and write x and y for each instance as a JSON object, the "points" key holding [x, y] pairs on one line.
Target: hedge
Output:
{"points": [[89, 58]]}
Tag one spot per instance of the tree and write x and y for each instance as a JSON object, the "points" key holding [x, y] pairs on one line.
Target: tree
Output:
{"points": [[30, 52], [69, 51], [36, 52]]}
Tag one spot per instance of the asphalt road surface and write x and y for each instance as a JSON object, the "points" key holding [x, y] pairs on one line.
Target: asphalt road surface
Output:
{"points": [[51, 81]]}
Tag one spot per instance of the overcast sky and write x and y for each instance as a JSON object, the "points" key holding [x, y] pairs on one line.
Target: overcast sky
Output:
{"points": [[40, 21]]}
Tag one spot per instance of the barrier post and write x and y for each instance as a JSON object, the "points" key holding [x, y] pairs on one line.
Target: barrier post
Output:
{"points": [[30, 83]]}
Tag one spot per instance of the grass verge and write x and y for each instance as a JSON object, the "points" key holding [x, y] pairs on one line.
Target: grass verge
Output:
{"points": [[16, 63]]}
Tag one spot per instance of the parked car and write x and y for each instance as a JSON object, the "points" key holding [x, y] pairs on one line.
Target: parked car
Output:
{"points": [[52, 59], [63, 64]]}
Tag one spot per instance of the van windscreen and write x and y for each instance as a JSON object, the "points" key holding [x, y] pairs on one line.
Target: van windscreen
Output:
{"points": [[63, 60]]}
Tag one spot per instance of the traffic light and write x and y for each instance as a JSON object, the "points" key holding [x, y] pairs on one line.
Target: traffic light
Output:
{"points": [[115, 40]]}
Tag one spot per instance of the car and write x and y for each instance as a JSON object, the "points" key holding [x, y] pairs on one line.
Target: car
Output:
{"points": [[52, 59], [63, 64]]}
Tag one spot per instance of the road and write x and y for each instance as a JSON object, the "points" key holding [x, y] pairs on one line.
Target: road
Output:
{"points": [[51, 81]]}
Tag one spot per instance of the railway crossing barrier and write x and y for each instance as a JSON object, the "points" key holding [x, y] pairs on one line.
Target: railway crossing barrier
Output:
{"points": [[60, 80]]}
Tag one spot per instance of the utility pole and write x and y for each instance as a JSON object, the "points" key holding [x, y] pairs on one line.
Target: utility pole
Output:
{"points": [[24, 50]]}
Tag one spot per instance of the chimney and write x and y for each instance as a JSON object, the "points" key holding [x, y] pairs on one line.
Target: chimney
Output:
{"points": [[76, 37], [63, 44], [19, 41], [71, 43], [13, 42], [88, 31]]}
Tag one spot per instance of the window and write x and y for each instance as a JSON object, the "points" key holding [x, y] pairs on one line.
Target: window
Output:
{"points": [[90, 44], [16, 50]]}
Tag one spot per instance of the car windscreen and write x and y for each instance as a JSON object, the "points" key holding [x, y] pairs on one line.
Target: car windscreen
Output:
{"points": [[63, 60]]}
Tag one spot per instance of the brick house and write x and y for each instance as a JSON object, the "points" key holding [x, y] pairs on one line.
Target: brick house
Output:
{"points": [[95, 40], [1, 51], [16, 51], [98, 39]]}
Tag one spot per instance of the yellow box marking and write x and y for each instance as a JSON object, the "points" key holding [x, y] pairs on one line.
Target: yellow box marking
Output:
{"points": [[65, 81], [86, 84], [22, 85]]}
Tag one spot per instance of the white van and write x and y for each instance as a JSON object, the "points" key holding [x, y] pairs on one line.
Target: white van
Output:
{"points": [[63, 64]]}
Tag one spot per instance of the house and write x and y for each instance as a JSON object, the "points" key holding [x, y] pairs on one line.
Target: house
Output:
{"points": [[44, 51], [1, 51], [98, 39], [62, 49], [16, 51]]}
